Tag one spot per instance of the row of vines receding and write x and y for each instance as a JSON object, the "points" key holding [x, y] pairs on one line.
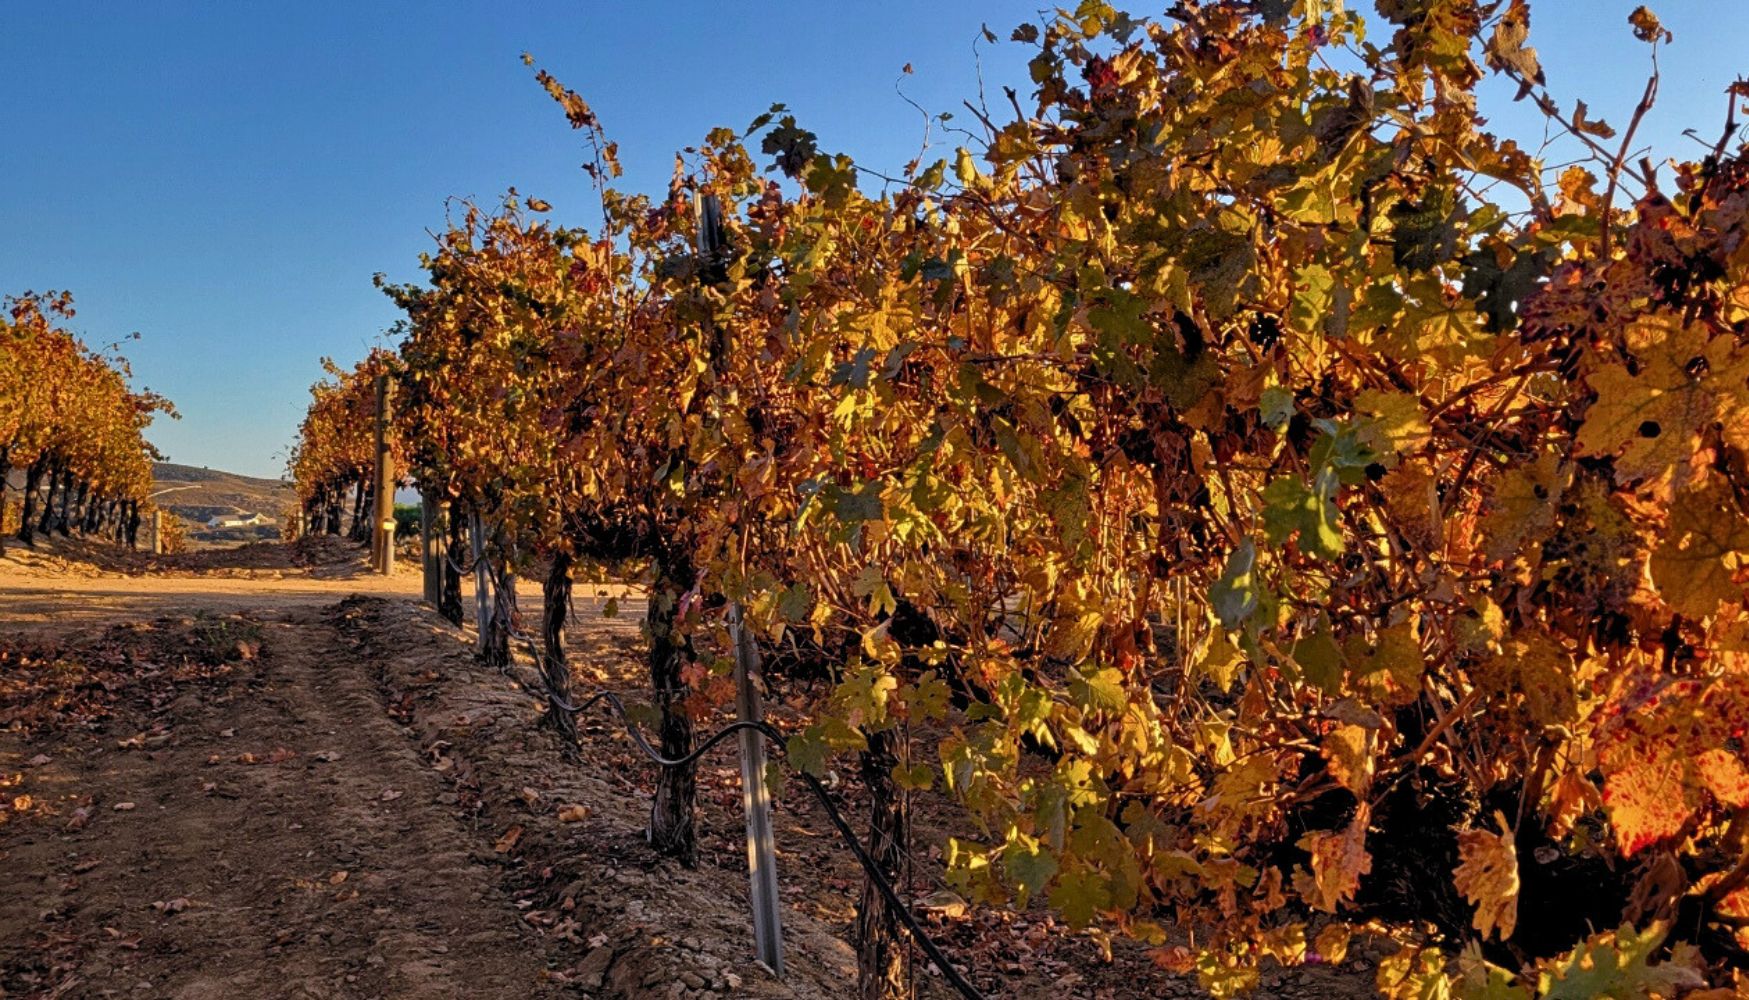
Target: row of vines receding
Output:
{"points": [[72, 428], [1282, 507]]}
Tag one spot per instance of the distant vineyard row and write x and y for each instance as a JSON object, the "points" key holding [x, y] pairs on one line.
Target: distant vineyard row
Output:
{"points": [[70, 422]]}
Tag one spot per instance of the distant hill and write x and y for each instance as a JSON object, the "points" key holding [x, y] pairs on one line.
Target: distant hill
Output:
{"points": [[198, 494]]}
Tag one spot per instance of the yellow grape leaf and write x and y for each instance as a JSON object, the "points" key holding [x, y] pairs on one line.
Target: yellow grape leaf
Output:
{"points": [[1221, 661], [1397, 427], [1659, 766], [1524, 505], [1346, 753], [1331, 944], [1389, 665], [1533, 664], [1705, 545], [1652, 421], [1411, 494], [1339, 859], [1488, 877], [1570, 797], [1414, 973]]}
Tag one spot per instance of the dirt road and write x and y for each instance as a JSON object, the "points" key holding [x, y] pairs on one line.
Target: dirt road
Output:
{"points": [[269, 774], [295, 783]]}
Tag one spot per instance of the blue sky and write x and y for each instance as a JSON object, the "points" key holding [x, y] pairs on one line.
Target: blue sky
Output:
{"points": [[225, 178]]}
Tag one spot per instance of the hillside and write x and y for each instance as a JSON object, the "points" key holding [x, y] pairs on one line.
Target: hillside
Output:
{"points": [[198, 494]]}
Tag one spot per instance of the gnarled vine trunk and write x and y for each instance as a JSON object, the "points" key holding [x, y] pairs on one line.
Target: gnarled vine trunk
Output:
{"points": [[449, 602], [503, 620], [671, 812], [555, 667], [5, 474], [46, 523], [33, 478], [62, 516], [880, 948]]}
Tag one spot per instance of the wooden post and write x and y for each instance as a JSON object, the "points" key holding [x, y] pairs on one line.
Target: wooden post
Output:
{"points": [[756, 800], [383, 538], [157, 532], [429, 537]]}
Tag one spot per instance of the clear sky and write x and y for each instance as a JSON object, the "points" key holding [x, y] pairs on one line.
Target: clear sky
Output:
{"points": [[225, 178]]}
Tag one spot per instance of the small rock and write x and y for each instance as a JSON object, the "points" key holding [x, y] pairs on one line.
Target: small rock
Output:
{"points": [[593, 969]]}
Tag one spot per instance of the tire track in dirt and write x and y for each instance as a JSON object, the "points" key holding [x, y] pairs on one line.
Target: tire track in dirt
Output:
{"points": [[296, 844]]}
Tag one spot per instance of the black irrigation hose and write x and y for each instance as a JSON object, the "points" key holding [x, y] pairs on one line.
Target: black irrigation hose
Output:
{"points": [[869, 867]]}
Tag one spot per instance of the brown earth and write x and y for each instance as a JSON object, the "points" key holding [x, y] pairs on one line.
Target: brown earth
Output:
{"points": [[272, 774]]}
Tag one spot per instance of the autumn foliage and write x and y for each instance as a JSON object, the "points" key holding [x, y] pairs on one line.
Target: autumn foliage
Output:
{"points": [[335, 452], [69, 420], [1292, 507]]}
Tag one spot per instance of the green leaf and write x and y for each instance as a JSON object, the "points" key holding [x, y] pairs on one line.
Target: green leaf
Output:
{"points": [[1292, 508], [1276, 405], [1080, 893], [795, 603], [1320, 660], [927, 698], [863, 505], [1028, 866], [1617, 966], [808, 752], [1234, 595], [916, 778]]}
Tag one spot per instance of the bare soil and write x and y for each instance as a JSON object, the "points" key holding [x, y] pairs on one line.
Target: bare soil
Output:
{"points": [[268, 773]]}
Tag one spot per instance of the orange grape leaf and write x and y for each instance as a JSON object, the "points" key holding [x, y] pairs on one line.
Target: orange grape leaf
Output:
{"points": [[1725, 776], [1645, 796], [1488, 877]]}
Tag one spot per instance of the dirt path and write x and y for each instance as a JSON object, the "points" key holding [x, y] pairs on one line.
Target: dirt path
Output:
{"points": [[278, 776], [274, 836], [293, 781]]}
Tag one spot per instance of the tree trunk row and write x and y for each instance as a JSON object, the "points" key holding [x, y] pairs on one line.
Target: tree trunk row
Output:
{"points": [[56, 501]]}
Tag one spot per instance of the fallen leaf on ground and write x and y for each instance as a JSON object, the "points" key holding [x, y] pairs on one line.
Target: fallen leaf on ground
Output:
{"points": [[39, 760], [338, 877], [169, 906], [122, 807], [573, 814], [390, 794], [508, 841]]}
